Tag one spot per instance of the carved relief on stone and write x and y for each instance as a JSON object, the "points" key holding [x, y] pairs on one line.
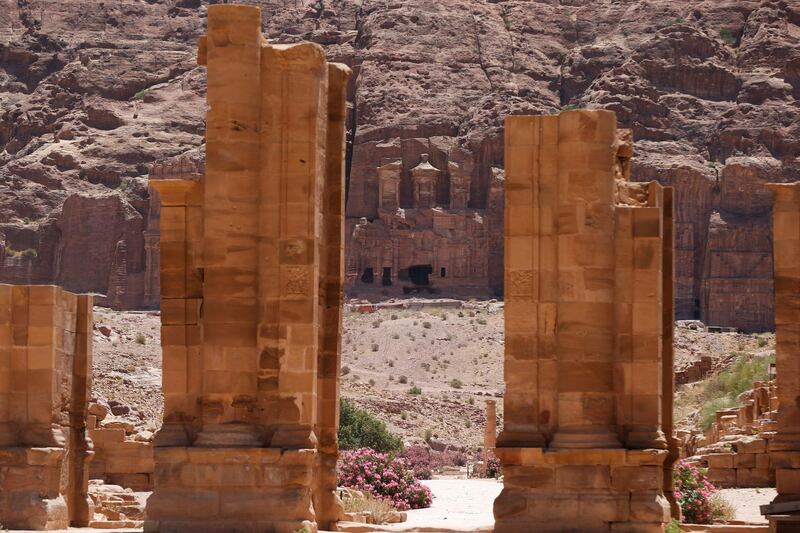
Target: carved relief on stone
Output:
{"points": [[424, 178], [389, 186]]}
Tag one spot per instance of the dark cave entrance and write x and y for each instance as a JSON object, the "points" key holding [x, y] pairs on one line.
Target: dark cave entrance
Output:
{"points": [[386, 280], [419, 274], [368, 276]]}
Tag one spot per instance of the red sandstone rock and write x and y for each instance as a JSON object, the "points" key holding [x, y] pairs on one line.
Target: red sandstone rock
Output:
{"points": [[92, 96]]}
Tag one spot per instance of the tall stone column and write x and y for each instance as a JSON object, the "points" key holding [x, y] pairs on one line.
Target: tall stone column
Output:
{"points": [[668, 350], [582, 447], [331, 297], [490, 431], [251, 291], [784, 448], [45, 369]]}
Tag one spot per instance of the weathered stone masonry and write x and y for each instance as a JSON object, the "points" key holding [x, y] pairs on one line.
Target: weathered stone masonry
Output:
{"points": [[251, 276], [586, 277], [45, 372], [784, 447]]}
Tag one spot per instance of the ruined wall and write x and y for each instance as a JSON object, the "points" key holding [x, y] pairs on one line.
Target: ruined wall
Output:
{"points": [[251, 287], [45, 373], [587, 269], [785, 445], [735, 448]]}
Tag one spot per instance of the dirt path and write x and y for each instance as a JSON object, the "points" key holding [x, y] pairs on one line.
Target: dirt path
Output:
{"points": [[747, 502]]}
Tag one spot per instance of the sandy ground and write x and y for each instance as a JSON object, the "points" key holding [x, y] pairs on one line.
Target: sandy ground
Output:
{"points": [[466, 505], [748, 501], [458, 505]]}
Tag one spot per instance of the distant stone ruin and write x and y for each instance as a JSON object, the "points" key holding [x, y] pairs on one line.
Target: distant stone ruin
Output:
{"points": [[251, 293], [45, 372], [428, 235], [589, 315]]}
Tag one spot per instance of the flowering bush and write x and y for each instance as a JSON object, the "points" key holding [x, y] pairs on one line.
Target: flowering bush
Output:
{"points": [[420, 460], [493, 467], [424, 461], [693, 491], [383, 477]]}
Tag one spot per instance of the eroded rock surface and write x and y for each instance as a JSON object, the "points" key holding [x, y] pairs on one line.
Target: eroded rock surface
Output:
{"points": [[92, 94]]}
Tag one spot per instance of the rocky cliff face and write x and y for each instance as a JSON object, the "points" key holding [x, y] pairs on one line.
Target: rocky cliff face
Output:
{"points": [[93, 92]]}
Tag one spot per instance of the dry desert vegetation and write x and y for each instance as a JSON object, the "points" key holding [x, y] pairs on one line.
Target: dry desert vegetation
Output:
{"points": [[425, 370]]}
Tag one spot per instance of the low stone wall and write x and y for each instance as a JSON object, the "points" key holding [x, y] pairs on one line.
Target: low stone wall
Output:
{"points": [[747, 465], [118, 461], [736, 447]]}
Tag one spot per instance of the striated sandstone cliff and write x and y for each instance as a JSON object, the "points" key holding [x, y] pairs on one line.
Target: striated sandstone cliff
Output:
{"points": [[92, 93]]}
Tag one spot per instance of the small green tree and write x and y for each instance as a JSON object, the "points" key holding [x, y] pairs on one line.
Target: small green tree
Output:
{"points": [[359, 429]]}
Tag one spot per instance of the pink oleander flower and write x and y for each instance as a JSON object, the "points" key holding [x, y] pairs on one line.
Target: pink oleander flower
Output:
{"points": [[384, 477], [693, 490]]}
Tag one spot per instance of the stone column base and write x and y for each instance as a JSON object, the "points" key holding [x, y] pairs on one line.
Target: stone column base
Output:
{"points": [[589, 490], [217, 490], [30, 489]]}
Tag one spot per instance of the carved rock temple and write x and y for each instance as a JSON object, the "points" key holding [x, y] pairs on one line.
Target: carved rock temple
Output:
{"points": [[45, 373], [425, 231], [588, 318], [251, 288]]}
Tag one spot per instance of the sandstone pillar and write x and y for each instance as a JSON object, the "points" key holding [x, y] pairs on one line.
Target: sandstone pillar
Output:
{"points": [[784, 448], [490, 432], [331, 296], [45, 369], [251, 274], [582, 447], [668, 350]]}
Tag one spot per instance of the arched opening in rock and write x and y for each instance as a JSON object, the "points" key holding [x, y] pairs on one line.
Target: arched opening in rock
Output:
{"points": [[386, 280]]}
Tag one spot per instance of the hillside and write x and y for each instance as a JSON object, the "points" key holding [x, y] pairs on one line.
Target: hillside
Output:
{"points": [[93, 93], [453, 355]]}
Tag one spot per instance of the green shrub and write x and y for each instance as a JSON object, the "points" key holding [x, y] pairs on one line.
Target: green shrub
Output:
{"points": [[456, 383], [708, 412], [426, 325], [359, 429], [403, 379], [28, 253], [415, 391], [140, 338], [722, 390], [726, 34], [673, 527]]}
